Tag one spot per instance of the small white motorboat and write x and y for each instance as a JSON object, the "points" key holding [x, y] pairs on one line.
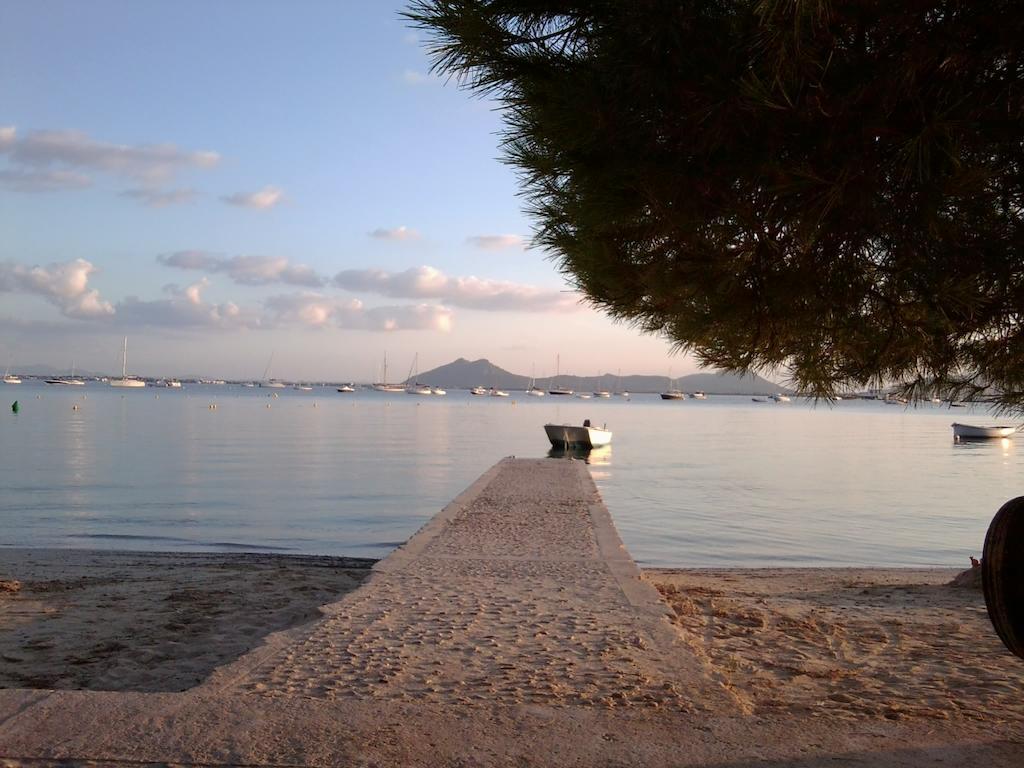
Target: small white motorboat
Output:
{"points": [[438, 391], [673, 394], [698, 395], [478, 391], [780, 398], [346, 388], [568, 435], [974, 432], [418, 389], [498, 393]]}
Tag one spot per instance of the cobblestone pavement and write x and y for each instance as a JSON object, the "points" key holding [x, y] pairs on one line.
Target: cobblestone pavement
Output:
{"points": [[507, 598]]}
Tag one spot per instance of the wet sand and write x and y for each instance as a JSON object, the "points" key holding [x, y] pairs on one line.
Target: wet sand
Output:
{"points": [[129, 621]]}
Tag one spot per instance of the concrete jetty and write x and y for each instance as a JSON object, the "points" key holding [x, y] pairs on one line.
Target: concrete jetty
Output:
{"points": [[512, 629]]}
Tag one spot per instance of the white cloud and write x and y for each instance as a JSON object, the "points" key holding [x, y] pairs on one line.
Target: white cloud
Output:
{"points": [[43, 181], [470, 292], [263, 200], [65, 285], [398, 233], [495, 242], [158, 198], [185, 308], [316, 310], [148, 163], [247, 270], [413, 77]]}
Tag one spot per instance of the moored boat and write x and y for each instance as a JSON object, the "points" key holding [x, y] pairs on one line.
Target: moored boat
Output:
{"points": [[673, 394], [478, 391], [346, 388], [569, 435], [555, 389], [126, 380], [975, 432]]}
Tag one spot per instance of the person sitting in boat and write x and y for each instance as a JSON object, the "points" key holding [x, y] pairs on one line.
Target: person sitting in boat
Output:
{"points": [[586, 422]]}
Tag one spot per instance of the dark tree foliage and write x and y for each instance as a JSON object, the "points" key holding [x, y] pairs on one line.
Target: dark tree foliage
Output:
{"points": [[833, 188]]}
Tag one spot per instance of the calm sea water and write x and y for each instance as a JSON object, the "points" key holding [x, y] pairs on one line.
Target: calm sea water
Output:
{"points": [[697, 483]]}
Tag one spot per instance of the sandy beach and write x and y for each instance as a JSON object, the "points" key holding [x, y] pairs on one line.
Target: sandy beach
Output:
{"points": [[865, 644], [131, 621], [859, 644]]}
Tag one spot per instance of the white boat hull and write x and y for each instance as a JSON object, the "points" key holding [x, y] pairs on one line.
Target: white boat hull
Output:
{"points": [[128, 383], [972, 432], [567, 435]]}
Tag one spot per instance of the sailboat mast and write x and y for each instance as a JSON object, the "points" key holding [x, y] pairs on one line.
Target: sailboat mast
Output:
{"points": [[124, 359]]}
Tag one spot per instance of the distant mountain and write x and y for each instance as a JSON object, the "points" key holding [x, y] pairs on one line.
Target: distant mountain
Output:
{"points": [[465, 374]]}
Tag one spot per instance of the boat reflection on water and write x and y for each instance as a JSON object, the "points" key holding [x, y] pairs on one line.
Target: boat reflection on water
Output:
{"points": [[595, 457], [1005, 444]]}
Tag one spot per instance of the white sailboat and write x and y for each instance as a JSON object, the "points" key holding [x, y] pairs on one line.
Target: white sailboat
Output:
{"points": [[555, 389], [672, 393], [10, 378], [416, 388], [619, 391], [533, 390], [271, 383], [71, 381], [126, 380], [601, 391], [382, 385]]}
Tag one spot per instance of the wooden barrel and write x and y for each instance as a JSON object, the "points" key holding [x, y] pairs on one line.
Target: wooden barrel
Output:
{"points": [[1002, 574]]}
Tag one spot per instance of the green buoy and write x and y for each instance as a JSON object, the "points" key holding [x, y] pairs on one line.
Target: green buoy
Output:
{"points": [[14, 407]]}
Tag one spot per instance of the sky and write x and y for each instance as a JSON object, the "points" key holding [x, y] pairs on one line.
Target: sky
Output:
{"points": [[222, 182]]}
